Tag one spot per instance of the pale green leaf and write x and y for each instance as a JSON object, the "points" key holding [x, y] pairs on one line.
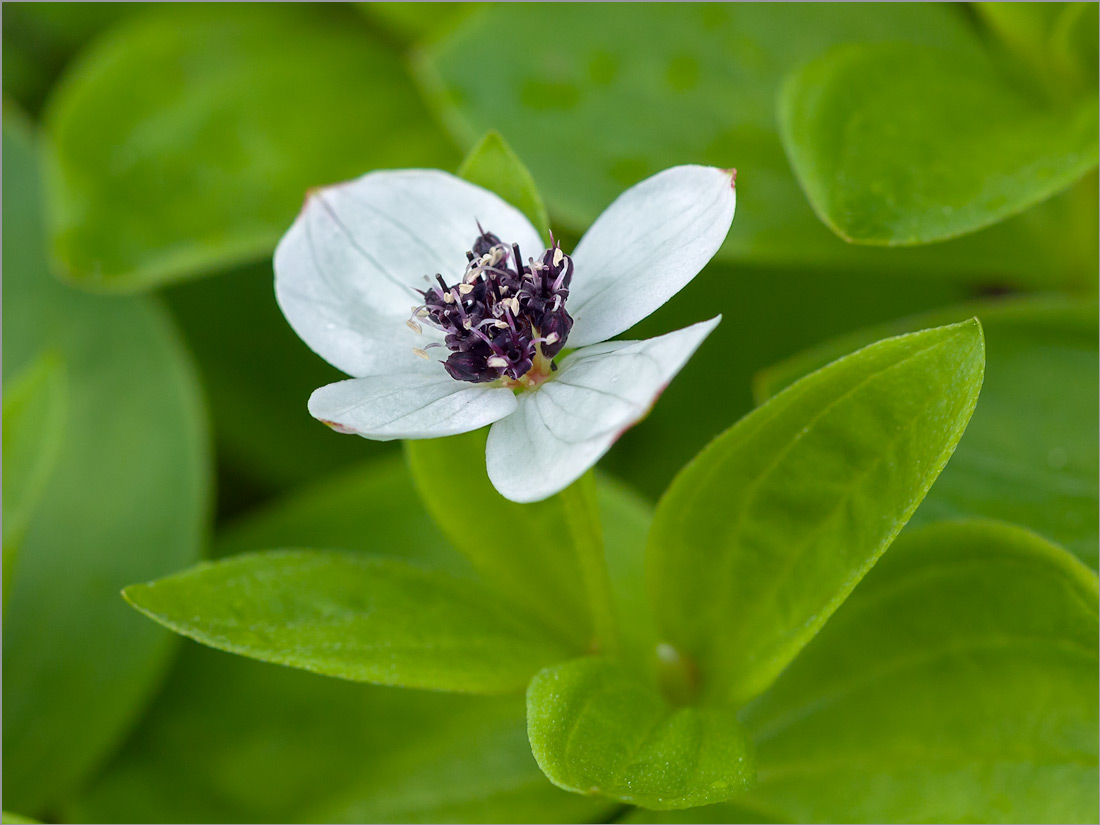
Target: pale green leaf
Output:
{"points": [[494, 166], [185, 142], [127, 500], [1030, 454], [367, 619], [764, 535], [957, 684], [596, 729], [900, 144], [34, 419]]}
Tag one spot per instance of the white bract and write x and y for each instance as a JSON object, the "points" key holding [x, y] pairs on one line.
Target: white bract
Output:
{"points": [[351, 268]]}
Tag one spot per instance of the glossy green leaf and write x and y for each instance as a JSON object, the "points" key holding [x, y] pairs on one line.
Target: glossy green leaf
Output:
{"points": [[697, 83], [596, 729], [225, 116], [493, 165], [900, 144], [368, 619], [126, 501], [34, 419], [288, 745], [282, 745], [957, 684], [764, 535], [1030, 454], [524, 551]]}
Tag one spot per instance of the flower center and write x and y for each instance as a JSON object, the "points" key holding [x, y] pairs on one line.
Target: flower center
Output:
{"points": [[504, 320]]}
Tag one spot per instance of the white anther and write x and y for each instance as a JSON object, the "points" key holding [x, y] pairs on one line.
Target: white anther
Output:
{"points": [[420, 353], [415, 327], [466, 323], [512, 304], [465, 289], [497, 362], [553, 338], [558, 255], [422, 312], [497, 253], [500, 325], [448, 298]]}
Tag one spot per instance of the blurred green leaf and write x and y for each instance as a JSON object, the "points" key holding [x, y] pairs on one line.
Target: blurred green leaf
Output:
{"points": [[368, 619], [282, 745], [185, 142], [372, 507], [525, 552], [957, 684], [595, 728], [697, 83], [903, 144], [494, 166], [41, 38], [17, 819], [411, 22], [127, 500], [764, 535], [1030, 453], [34, 421]]}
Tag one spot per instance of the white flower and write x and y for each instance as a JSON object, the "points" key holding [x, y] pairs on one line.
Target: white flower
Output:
{"points": [[360, 255]]}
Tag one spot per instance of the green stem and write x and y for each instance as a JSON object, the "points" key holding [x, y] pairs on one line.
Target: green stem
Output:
{"points": [[583, 520]]}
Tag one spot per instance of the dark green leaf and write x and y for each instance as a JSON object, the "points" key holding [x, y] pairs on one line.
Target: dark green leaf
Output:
{"points": [[696, 83], [765, 534], [34, 419], [280, 745], [1030, 454], [225, 116], [494, 166], [127, 500], [367, 619], [957, 684], [903, 144], [596, 729]]}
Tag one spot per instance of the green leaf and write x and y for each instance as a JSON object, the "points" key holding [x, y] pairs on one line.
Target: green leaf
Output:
{"points": [[278, 743], [525, 551], [958, 683], [596, 729], [227, 115], [34, 419], [127, 500], [283, 745], [1030, 453], [903, 144], [764, 535], [494, 166], [17, 819], [360, 618], [697, 83]]}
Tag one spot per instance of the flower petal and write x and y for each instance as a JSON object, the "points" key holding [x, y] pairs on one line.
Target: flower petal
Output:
{"points": [[385, 407], [345, 272], [564, 427], [646, 247]]}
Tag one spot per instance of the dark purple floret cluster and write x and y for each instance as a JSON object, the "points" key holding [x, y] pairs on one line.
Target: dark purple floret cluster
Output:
{"points": [[504, 319]]}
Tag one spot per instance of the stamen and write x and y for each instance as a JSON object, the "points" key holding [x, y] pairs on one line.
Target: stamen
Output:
{"points": [[420, 353], [415, 327]]}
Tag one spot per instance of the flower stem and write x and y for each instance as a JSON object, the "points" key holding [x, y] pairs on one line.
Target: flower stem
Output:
{"points": [[583, 519]]}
